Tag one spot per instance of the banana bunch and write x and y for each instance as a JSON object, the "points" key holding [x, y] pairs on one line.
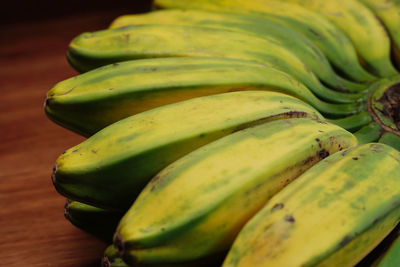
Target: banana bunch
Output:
{"points": [[256, 33], [236, 133], [208, 195], [267, 28], [333, 43]]}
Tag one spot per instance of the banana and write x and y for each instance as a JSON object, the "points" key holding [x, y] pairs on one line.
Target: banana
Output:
{"points": [[95, 221], [144, 41], [388, 11], [91, 101], [332, 215], [208, 195], [309, 53], [332, 41], [361, 26], [110, 168]]}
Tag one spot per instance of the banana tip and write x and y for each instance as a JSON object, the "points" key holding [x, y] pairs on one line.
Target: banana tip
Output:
{"points": [[46, 101], [105, 262], [53, 175], [66, 209], [119, 244]]}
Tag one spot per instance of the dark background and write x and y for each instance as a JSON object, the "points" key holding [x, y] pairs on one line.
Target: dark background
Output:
{"points": [[25, 11]]}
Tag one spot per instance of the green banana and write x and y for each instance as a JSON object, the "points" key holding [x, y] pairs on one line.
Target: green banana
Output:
{"points": [[309, 53], [208, 195], [89, 102], [144, 41], [350, 201], [331, 40], [95, 221], [361, 26], [388, 11], [110, 168]]}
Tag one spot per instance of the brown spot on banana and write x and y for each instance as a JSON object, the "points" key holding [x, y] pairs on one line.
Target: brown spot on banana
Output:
{"points": [[289, 218], [323, 154], [277, 206]]}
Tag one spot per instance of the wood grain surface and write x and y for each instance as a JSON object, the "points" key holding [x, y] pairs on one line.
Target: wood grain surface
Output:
{"points": [[33, 229]]}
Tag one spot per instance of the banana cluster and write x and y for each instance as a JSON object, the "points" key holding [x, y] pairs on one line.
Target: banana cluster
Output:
{"points": [[236, 133]]}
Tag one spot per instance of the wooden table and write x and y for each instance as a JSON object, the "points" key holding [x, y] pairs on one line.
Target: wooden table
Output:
{"points": [[33, 229]]}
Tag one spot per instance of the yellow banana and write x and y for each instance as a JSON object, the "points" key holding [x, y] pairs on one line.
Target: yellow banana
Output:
{"points": [[329, 38], [361, 26], [93, 100], [332, 215], [206, 197], [388, 11]]}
